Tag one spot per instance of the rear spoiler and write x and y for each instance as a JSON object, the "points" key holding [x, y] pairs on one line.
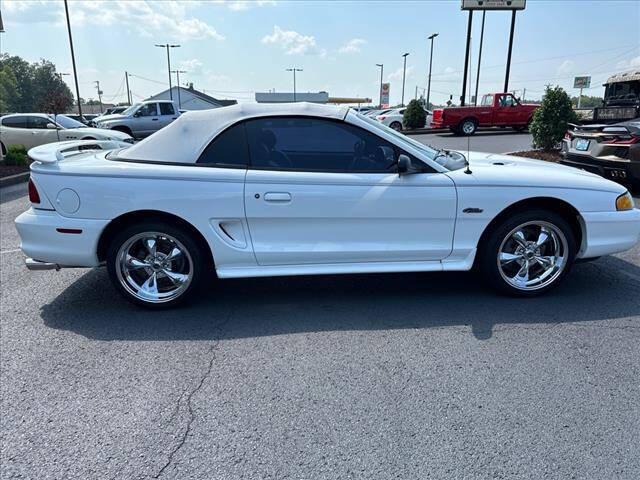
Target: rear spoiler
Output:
{"points": [[602, 128], [56, 152]]}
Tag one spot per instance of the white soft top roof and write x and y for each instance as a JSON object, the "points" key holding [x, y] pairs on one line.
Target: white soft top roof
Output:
{"points": [[183, 140]]}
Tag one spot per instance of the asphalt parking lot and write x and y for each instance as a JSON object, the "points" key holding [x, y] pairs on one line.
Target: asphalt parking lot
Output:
{"points": [[369, 377], [494, 141]]}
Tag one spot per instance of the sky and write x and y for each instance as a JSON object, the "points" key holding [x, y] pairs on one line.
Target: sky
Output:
{"points": [[231, 49]]}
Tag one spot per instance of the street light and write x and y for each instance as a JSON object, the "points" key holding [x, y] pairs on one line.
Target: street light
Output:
{"points": [[404, 73], [381, 70], [178, 72], [294, 70], [168, 46], [431, 37]]}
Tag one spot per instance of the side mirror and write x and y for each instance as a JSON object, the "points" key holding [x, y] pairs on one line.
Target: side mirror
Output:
{"points": [[51, 126], [404, 165], [137, 114]]}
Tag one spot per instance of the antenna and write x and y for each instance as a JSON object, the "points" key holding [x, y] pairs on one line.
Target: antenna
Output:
{"points": [[467, 170]]}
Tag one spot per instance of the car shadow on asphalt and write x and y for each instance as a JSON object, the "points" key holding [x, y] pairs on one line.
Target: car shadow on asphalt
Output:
{"points": [[242, 308]]}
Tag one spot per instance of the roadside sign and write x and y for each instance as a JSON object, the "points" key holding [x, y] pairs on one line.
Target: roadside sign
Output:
{"points": [[582, 82], [384, 94], [493, 4]]}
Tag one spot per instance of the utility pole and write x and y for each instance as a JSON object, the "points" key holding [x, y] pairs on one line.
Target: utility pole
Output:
{"points": [[294, 70], [404, 74], [506, 75], [431, 37], [381, 65], [466, 59], [126, 77], [73, 58], [97, 82], [484, 12], [178, 72], [168, 46]]}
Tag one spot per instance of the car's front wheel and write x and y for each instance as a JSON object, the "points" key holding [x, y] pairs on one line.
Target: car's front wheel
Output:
{"points": [[397, 126], [528, 253], [155, 264]]}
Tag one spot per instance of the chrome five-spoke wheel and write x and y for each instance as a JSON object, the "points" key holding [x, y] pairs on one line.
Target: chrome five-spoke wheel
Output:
{"points": [[533, 255], [154, 267]]}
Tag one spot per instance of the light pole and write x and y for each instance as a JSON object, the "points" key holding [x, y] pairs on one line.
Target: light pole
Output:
{"points": [[294, 70], [431, 37], [178, 72], [97, 82], [73, 57], [126, 77], [168, 46], [381, 65], [404, 74]]}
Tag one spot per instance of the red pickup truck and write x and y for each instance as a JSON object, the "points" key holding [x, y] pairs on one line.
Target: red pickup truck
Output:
{"points": [[495, 110]]}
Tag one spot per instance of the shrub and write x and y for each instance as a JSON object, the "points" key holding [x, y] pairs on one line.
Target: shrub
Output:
{"points": [[414, 115], [16, 155], [551, 119]]}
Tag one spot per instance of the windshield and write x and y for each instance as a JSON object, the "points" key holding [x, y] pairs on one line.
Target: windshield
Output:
{"points": [[131, 109], [451, 161], [66, 122]]}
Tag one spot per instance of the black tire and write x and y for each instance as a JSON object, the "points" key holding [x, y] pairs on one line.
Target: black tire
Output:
{"points": [[501, 234], [397, 126], [194, 270], [126, 130], [468, 126]]}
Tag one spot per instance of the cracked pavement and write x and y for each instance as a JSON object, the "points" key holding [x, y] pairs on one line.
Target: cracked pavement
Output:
{"points": [[382, 376]]}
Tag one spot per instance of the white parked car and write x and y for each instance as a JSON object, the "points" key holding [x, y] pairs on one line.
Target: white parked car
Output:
{"points": [[296, 189], [393, 118], [33, 129]]}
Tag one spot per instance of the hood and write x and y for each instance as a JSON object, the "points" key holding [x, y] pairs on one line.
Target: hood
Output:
{"points": [[507, 170], [106, 118], [100, 133]]}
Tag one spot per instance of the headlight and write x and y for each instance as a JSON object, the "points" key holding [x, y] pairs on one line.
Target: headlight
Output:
{"points": [[624, 202]]}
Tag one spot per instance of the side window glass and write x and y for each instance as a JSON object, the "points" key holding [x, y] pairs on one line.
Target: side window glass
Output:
{"points": [[38, 122], [15, 122], [311, 144], [166, 109], [148, 110], [229, 149]]}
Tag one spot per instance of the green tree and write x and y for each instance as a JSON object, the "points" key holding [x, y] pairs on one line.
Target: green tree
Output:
{"points": [[37, 86], [551, 119], [414, 115], [9, 93]]}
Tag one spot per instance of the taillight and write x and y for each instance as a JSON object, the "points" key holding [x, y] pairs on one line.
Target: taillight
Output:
{"points": [[34, 197], [381, 117], [625, 140]]}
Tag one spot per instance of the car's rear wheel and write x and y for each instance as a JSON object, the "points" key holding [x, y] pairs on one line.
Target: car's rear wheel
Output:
{"points": [[155, 264], [529, 253], [397, 126], [468, 126]]}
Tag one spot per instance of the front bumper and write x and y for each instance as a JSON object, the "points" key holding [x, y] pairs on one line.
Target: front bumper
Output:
{"points": [[610, 232], [43, 240]]}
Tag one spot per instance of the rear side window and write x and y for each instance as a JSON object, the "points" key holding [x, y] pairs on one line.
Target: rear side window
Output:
{"points": [[229, 149], [166, 109], [15, 122]]}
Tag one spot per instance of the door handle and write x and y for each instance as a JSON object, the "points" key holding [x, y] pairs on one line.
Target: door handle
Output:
{"points": [[277, 197], [154, 119]]}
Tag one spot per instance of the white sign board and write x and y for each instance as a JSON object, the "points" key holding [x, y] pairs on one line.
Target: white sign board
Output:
{"points": [[493, 4], [581, 82], [385, 88]]}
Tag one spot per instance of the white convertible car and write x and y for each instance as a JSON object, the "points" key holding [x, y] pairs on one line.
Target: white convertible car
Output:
{"points": [[298, 189]]}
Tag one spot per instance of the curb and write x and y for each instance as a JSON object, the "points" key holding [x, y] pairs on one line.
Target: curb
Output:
{"points": [[14, 179]]}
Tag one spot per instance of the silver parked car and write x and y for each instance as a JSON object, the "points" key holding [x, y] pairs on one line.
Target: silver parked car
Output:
{"points": [[141, 119]]}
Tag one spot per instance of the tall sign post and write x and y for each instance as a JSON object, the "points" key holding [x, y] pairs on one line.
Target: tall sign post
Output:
{"points": [[581, 82], [484, 5], [385, 89]]}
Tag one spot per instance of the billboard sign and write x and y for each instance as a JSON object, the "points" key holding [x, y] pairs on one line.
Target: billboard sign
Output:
{"points": [[493, 4], [385, 88], [582, 82]]}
